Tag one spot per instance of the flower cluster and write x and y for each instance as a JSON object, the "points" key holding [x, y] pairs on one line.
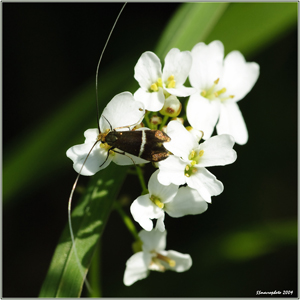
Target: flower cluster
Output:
{"points": [[181, 185]]}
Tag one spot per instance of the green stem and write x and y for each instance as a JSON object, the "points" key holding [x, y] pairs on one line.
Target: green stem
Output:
{"points": [[131, 171], [95, 274], [142, 180], [147, 119], [127, 221], [164, 121]]}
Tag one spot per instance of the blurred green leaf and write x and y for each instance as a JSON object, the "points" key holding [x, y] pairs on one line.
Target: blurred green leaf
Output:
{"points": [[259, 240], [190, 25], [88, 221], [249, 27]]}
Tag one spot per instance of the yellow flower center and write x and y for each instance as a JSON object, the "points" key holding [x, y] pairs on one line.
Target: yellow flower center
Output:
{"points": [[171, 83], [156, 201], [194, 158], [213, 93], [156, 85], [156, 262]]}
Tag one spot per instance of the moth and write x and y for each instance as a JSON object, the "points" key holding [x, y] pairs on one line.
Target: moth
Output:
{"points": [[146, 144]]}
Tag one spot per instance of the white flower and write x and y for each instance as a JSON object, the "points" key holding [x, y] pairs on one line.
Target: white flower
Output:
{"points": [[169, 199], [220, 84], [121, 111], [154, 257], [155, 85], [188, 163]]}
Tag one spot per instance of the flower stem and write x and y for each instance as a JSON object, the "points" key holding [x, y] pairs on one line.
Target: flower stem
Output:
{"points": [[147, 120], [127, 221], [163, 123], [142, 180]]}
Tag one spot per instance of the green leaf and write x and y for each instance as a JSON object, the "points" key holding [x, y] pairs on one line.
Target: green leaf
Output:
{"points": [[249, 27], [88, 221], [258, 240], [190, 25]]}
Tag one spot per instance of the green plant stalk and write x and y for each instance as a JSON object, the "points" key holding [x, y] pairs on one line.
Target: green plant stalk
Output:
{"points": [[164, 121], [146, 118], [142, 180], [127, 220]]}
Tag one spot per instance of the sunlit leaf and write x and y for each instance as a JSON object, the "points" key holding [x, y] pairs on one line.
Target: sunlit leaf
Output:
{"points": [[88, 221], [190, 25], [249, 27]]}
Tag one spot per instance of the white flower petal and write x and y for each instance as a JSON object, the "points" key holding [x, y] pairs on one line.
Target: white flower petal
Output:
{"points": [[143, 210], [165, 193], [232, 122], [207, 64], [183, 262], [187, 202], [217, 151], [152, 101], [182, 142], [160, 225], [238, 76], [181, 91], [96, 158], [153, 240], [205, 183], [178, 64], [171, 170], [126, 159], [91, 135], [197, 134], [203, 114], [136, 268], [147, 70], [122, 111]]}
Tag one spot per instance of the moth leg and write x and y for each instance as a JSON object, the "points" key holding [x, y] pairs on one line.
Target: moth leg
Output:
{"points": [[111, 149], [123, 153]]}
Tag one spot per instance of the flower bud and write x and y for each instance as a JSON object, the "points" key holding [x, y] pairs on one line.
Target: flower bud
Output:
{"points": [[155, 120], [172, 107]]}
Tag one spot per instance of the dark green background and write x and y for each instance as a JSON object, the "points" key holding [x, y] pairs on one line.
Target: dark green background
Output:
{"points": [[245, 242]]}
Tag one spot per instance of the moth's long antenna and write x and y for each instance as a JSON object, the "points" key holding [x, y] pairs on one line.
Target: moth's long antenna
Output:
{"points": [[107, 122], [70, 220], [97, 71], [79, 173]]}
